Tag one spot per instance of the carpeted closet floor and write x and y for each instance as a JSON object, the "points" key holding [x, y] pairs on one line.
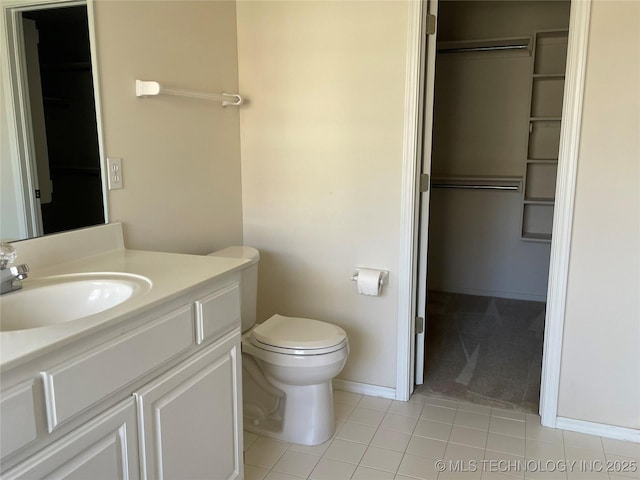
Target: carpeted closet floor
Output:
{"points": [[484, 350]]}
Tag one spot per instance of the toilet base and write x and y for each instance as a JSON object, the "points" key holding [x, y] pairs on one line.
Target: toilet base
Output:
{"points": [[306, 420]]}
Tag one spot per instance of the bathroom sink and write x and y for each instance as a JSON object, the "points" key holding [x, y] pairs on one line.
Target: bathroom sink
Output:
{"points": [[53, 300]]}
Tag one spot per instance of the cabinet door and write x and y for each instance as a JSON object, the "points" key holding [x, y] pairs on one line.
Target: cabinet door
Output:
{"points": [[103, 448], [190, 419], [19, 425]]}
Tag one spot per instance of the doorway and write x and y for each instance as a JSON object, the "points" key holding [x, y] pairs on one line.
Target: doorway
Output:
{"points": [[496, 137]]}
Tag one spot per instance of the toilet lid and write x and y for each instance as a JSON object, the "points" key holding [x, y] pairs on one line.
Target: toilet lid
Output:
{"points": [[298, 333]]}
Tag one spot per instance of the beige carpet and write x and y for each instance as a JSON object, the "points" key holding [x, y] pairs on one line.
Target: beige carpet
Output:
{"points": [[484, 350]]}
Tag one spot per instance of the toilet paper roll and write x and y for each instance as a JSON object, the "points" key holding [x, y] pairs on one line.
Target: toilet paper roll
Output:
{"points": [[369, 281]]}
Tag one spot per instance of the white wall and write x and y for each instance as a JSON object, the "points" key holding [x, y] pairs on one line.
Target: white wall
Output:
{"points": [[499, 18], [600, 375], [181, 157], [321, 163], [475, 246]]}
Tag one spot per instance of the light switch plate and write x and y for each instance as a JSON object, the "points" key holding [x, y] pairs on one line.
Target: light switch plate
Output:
{"points": [[114, 166]]}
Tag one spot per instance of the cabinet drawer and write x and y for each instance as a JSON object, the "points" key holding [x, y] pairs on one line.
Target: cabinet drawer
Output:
{"points": [[18, 426], [218, 313], [77, 384]]}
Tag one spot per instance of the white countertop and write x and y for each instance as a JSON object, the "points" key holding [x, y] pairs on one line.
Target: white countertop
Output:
{"points": [[170, 275]]}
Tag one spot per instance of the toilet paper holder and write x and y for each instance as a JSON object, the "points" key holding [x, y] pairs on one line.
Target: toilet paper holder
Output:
{"points": [[383, 277]]}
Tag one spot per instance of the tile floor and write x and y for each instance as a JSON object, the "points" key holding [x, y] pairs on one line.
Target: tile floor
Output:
{"points": [[382, 439]]}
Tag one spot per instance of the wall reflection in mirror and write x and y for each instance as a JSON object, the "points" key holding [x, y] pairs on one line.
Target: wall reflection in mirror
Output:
{"points": [[55, 162]]}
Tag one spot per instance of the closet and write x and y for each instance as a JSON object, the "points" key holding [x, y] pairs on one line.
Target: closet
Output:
{"points": [[497, 115]]}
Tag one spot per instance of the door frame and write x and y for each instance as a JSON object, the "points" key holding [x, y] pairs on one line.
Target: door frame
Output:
{"points": [[563, 213]]}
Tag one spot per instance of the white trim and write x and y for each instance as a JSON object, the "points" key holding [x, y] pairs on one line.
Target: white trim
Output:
{"points": [[364, 389], [408, 208], [599, 429], [564, 205], [428, 43], [24, 225], [98, 107], [17, 114]]}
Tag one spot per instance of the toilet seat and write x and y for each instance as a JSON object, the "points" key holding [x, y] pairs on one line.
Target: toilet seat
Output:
{"points": [[298, 336], [293, 351]]}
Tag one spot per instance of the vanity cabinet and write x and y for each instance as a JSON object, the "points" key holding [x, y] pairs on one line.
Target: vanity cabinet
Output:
{"points": [[73, 385], [154, 396], [196, 400]]}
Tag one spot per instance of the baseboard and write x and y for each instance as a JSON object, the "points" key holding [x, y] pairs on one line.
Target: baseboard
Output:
{"points": [[492, 293], [364, 389], [600, 429]]}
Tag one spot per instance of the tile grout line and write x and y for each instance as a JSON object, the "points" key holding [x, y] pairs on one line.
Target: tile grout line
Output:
{"points": [[369, 444]]}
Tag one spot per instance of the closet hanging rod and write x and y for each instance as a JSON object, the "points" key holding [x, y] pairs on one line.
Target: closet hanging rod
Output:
{"points": [[148, 88], [476, 187], [478, 182], [483, 49], [485, 45]]}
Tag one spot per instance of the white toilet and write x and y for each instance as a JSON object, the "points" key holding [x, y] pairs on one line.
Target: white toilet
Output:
{"points": [[287, 367]]}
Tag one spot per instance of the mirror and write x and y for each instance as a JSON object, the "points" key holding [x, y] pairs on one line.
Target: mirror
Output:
{"points": [[52, 178]]}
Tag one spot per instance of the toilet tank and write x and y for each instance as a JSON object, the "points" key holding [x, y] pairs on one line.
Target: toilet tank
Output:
{"points": [[248, 281]]}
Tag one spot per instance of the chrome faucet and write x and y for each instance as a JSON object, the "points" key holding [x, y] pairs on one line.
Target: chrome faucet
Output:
{"points": [[11, 276]]}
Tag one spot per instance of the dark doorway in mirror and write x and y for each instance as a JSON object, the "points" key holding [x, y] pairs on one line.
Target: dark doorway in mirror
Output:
{"points": [[61, 95]]}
